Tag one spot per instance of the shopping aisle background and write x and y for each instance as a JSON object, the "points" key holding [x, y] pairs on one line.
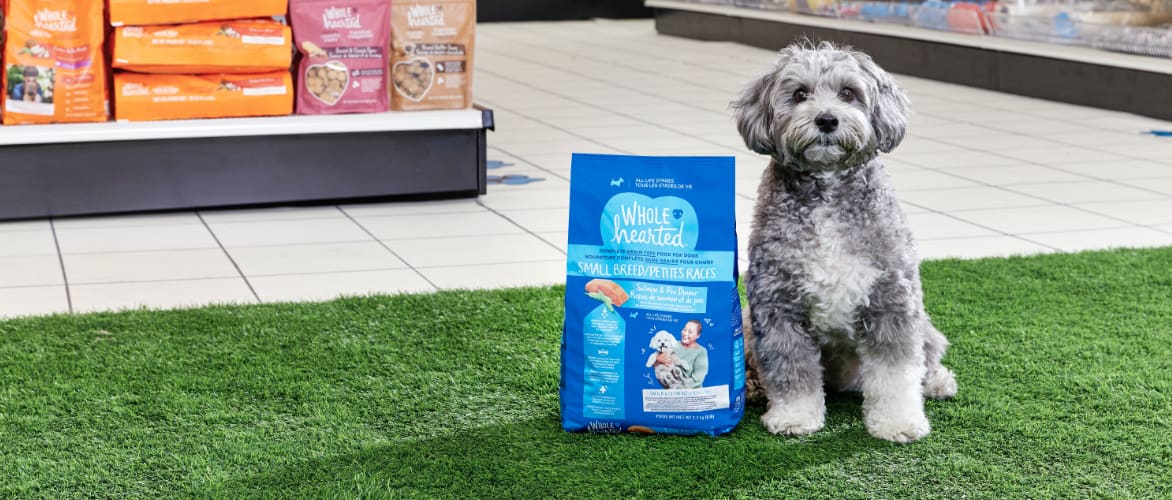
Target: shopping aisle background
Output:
{"points": [[981, 174]]}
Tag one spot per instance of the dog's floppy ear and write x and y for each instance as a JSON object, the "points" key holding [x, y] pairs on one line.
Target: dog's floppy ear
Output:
{"points": [[754, 112], [889, 105]]}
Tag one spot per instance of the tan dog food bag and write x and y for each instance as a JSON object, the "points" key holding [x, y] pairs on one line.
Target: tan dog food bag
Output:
{"points": [[54, 67], [432, 54]]}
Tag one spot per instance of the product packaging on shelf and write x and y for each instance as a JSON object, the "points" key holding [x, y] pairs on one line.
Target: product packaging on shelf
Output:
{"points": [[432, 53], [243, 46], [145, 12], [343, 55], [54, 69], [146, 97]]}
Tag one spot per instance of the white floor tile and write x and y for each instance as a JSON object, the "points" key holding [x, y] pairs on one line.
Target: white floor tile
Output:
{"points": [[414, 207], [973, 248], [28, 242], [154, 219], [1061, 155], [928, 226], [160, 294], [1117, 169], [1082, 192], [1038, 219], [1001, 142], [1159, 149], [540, 220], [910, 180], [498, 275], [271, 214], [1017, 174], [1149, 212], [948, 161], [1162, 185], [405, 227], [1099, 138], [134, 238], [328, 286], [316, 258], [288, 232], [559, 239], [25, 226], [970, 198], [164, 265], [33, 301], [534, 198], [1131, 237], [458, 251], [31, 270]]}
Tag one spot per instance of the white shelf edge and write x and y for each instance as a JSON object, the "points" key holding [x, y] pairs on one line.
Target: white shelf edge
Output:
{"points": [[12, 135], [1040, 49]]}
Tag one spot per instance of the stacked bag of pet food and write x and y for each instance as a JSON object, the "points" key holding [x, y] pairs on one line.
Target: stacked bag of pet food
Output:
{"points": [[349, 64], [54, 67], [202, 59], [431, 58]]}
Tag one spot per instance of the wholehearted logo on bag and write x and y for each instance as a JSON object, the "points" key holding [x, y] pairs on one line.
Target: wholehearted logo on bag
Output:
{"points": [[633, 220], [327, 82], [413, 78]]}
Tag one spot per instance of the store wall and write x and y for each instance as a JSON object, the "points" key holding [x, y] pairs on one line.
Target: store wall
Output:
{"points": [[558, 10]]}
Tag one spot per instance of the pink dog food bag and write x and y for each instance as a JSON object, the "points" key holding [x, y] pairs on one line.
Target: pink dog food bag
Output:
{"points": [[343, 47]]}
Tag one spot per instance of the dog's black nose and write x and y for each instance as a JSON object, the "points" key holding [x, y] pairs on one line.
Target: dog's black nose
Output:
{"points": [[826, 122]]}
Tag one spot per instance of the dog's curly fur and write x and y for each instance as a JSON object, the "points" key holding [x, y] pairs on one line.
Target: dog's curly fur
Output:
{"points": [[833, 280]]}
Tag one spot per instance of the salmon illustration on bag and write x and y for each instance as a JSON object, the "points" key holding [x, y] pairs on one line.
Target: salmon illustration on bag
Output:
{"points": [[54, 70]]}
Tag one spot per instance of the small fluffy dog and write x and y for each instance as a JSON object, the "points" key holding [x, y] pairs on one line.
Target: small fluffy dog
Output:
{"points": [[670, 376], [833, 280]]}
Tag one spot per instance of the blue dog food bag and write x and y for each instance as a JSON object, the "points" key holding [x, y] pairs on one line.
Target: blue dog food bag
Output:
{"points": [[652, 341]]}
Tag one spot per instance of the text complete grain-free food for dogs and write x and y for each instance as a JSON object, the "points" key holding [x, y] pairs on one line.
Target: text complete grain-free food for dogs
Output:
{"points": [[432, 54], [343, 55], [652, 341], [54, 68]]}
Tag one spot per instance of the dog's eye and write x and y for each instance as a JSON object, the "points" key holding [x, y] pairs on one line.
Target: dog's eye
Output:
{"points": [[800, 95], [847, 95]]}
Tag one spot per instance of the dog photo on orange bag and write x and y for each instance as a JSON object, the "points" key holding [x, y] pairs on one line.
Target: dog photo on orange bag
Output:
{"points": [[244, 46], [54, 70]]}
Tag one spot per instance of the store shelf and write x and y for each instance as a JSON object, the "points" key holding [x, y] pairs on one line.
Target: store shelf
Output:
{"points": [[86, 169], [241, 127], [1078, 75]]}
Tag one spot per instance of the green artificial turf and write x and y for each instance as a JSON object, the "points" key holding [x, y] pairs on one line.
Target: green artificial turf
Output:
{"points": [[1063, 361]]}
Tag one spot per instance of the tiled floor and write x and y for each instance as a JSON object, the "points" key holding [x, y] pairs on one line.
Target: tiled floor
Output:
{"points": [[981, 174]]}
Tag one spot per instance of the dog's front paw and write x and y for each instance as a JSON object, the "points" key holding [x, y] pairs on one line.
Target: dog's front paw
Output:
{"points": [[904, 429], [941, 384], [794, 420]]}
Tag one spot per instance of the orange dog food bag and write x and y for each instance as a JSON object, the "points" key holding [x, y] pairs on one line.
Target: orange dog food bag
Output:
{"points": [[54, 68], [146, 97], [245, 46], [146, 12]]}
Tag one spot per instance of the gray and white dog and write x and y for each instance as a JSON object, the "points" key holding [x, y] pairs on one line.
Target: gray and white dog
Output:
{"points": [[833, 281]]}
